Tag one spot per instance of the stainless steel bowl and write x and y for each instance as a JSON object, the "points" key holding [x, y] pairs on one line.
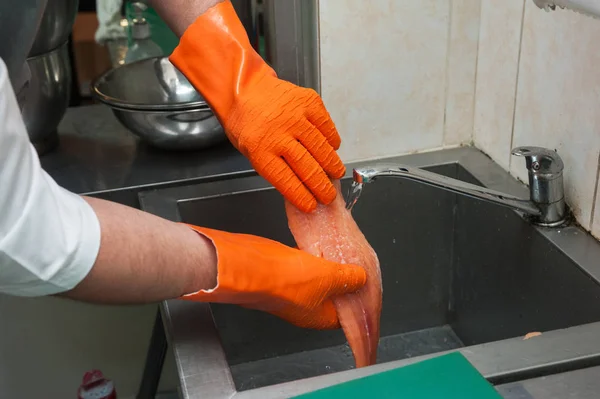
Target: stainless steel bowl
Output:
{"points": [[55, 26], [46, 98], [156, 102]]}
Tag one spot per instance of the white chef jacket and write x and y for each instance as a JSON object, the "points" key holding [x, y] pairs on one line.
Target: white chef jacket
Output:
{"points": [[49, 237]]}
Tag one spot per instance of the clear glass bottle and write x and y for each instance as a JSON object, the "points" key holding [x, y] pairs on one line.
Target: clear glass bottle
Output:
{"points": [[161, 33], [141, 45]]}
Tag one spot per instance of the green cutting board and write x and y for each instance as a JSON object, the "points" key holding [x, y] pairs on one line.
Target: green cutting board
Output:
{"points": [[445, 377]]}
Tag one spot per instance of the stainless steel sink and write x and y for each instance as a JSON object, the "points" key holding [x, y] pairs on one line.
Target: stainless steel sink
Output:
{"points": [[458, 274]]}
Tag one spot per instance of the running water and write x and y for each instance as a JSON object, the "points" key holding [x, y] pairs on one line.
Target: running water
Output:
{"points": [[353, 195]]}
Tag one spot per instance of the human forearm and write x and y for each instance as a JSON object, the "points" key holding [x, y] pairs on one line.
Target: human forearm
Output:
{"points": [[283, 129], [144, 258], [179, 14]]}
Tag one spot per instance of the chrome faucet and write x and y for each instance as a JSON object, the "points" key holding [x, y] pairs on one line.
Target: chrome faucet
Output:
{"points": [[546, 203]]}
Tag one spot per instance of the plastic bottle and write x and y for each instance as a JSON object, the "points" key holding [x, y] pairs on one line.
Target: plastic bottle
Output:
{"points": [[96, 386]]}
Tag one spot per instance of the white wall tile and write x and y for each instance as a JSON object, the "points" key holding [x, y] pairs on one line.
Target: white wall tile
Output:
{"points": [[461, 68], [383, 71], [499, 40], [558, 98]]}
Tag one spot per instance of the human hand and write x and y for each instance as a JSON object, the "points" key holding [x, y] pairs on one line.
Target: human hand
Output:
{"points": [[288, 136], [266, 275], [283, 129]]}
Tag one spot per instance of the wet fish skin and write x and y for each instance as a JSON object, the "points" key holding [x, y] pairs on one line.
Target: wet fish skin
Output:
{"points": [[331, 232]]}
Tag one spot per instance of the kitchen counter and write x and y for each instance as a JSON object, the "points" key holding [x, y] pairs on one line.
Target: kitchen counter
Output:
{"points": [[98, 156], [577, 384]]}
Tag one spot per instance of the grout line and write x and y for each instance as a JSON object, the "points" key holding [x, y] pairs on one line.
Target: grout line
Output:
{"points": [[474, 106], [447, 72], [318, 39], [512, 132], [594, 198]]}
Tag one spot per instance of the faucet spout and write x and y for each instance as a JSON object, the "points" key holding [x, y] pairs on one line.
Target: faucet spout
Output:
{"points": [[547, 209], [370, 174]]}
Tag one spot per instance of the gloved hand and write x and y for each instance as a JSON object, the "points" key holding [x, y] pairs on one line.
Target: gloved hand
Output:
{"points": [[261, 274], [284, 130]]}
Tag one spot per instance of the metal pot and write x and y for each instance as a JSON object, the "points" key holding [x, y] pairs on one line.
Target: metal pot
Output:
{"points": [[55, 26], [47, 97], [155, 101], [192, 129]]}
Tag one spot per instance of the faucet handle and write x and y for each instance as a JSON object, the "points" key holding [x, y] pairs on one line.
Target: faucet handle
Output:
{"points": [[540, 160], [545, 182]]}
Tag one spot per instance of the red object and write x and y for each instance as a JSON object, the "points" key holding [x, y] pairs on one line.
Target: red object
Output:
{"points": [[96, 386]]}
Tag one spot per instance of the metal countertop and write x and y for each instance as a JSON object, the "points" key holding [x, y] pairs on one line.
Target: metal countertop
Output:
{"points": [[577, 384], [97, 156]]}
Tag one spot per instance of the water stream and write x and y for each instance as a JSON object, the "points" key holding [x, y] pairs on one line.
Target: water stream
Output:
{"points": [[353, 195]]}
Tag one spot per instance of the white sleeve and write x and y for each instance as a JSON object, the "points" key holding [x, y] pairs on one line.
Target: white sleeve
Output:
{"points": [[49, 237]]}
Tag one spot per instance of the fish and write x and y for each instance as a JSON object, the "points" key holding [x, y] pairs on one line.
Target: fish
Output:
{"points": [[330, 232]]}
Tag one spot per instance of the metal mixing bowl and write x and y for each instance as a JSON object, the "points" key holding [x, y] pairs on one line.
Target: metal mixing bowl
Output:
{"points": [[46, 98], [55, 26], [156, 102]]}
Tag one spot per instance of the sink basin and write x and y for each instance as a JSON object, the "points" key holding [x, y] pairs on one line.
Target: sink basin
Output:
{"points": [[457, 274]]}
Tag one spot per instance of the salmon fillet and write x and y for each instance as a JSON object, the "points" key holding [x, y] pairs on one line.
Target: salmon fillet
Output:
{"points": [[330, 232]]}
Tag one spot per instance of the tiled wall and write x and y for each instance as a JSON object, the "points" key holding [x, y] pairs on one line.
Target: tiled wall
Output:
{"points": [[538, 83], [401, 76]]}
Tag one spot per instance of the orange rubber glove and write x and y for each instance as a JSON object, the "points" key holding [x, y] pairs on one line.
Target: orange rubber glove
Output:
{"points": [[265, 275], [284, 130]]}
